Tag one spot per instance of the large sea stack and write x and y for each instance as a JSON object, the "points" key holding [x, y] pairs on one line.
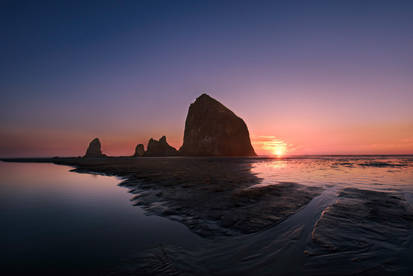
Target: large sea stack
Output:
{"points": [[160, 148], [94, 150], [211, 129]]}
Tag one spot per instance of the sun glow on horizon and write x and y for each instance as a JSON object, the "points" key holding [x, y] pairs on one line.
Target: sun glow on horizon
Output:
{"points": [[272, 145], [279, 151]]}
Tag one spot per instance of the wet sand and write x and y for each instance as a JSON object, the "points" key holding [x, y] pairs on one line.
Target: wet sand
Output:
{"points": [[212, 196], [253, 226]]}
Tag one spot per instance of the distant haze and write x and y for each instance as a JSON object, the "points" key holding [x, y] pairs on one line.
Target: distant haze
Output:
{"points": [[308, 77]]}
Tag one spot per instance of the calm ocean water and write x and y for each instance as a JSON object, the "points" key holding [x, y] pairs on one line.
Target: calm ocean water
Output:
{"points": [[54, 221], [378, 173], [57, 222]]}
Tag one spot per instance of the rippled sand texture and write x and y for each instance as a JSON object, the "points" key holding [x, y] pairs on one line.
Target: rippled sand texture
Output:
{"points": [[360, 224], [213, 197], [363, 231]]}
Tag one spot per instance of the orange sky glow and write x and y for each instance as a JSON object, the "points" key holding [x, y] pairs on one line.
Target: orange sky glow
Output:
{"points": [[288, 140], [310, 78]]}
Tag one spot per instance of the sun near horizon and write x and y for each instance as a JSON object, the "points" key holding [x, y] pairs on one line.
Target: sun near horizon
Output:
{"points": [[270, 145], [235, 137], [323, 78]]}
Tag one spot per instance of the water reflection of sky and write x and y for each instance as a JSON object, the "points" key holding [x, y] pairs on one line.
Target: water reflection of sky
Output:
{"points": [[57, 220], [366, 173]]}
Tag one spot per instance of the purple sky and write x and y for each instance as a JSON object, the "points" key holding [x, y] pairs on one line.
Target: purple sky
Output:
{"points": [[322, 77]]}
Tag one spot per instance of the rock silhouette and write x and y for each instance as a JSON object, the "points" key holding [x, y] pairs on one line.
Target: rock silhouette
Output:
{"points": [[211, 129], [139, 150], [160, 148], [94, 149]]}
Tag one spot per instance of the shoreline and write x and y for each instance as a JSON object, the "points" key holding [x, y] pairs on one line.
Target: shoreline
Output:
{"points": [[213, 197], [220, 200]]}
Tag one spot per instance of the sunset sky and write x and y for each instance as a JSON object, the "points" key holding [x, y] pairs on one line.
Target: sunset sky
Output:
{"points": [[308, 77]]}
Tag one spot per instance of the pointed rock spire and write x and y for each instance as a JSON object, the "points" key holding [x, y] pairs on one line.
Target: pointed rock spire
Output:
{"points": [[94, 149], [139, 150]]}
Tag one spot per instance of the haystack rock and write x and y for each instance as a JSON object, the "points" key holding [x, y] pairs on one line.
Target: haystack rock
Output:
{"points": [[160, 148], [139, 150], [94, 150], [211, 129]]}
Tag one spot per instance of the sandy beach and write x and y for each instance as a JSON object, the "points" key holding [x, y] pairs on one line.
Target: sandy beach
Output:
{"points": [[245, 209]]}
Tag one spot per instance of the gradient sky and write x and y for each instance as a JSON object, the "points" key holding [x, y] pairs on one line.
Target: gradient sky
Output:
{"points": [[318, 77]]}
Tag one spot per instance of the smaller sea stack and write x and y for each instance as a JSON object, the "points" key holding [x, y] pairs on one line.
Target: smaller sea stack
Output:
{"points": [[139, 150], [94, 150], [160, 148]]}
